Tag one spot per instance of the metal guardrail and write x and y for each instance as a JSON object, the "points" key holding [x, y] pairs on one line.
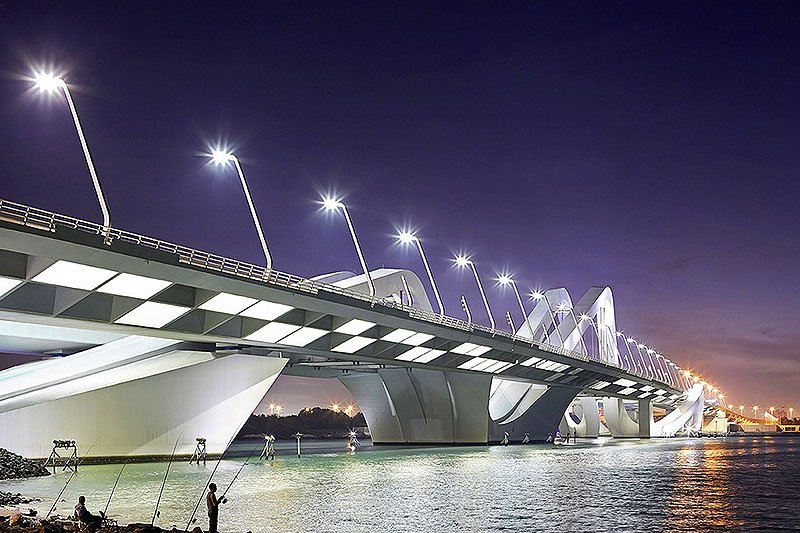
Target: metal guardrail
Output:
{"points": [[49, 221]]}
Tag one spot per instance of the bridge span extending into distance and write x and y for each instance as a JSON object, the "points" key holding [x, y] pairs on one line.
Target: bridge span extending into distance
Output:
{"points": [[150, 342]]}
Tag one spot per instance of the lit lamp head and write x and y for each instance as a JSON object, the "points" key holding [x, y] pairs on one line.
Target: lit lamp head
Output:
{"points": [[537, 295], [220, 157], [462, 261], [331, 204], [505, 280], [47, 82], [406, 237], [584, 317]]}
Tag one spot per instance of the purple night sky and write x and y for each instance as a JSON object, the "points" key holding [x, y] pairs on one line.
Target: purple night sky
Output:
{"points": [[651, 147]]}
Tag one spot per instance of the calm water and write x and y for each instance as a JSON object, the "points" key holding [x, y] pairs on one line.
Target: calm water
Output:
{"points": [[750, 484]]}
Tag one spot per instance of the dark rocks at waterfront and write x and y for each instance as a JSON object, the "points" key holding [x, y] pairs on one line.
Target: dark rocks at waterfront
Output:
{"points": [[16, 466], [9, 498], [27, 524]]}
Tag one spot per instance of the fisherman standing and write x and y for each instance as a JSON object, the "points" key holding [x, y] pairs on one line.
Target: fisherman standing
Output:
{"points": [[213, 507]]}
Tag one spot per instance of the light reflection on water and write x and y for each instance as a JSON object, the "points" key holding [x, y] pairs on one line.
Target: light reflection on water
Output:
{"points": [[670, 485]]}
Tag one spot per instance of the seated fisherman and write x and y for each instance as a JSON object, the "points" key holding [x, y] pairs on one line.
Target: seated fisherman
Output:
{"points": [[84, 516]]}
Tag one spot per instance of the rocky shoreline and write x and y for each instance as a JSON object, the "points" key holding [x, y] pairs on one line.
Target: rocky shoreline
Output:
{"points": [[17, 523], [15, 466]]}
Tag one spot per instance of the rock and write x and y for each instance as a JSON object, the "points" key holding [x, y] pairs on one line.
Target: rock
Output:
{"points": [[16, 466], [15, 519]]}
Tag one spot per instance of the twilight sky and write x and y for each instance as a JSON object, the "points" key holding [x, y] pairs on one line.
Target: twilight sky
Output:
{"points": [[649, 147]]}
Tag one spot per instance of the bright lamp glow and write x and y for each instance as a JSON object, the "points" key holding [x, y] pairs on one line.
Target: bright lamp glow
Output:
{"points": [[331, 203], [7, 284], [266, 310], [505, 279], [74, 275], [353, 345], [220, 156], [462, 261], [228, 303], [47, 82], [153, 315], [354, 327], [134, 286], [585, 317], [537, 295], [406, 237], [272, 332]]}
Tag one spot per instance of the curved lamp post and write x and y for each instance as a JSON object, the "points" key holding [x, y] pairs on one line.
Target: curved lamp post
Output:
{"points": [[50, 83], [406, 237], [332, 204], [464, 262], [220, 158], [507, 280]]}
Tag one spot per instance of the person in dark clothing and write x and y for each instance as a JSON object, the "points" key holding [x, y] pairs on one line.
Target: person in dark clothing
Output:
{"points": [[84, 516], [213, 507]]}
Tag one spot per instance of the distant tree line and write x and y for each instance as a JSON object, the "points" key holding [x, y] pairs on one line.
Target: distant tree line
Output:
{"points": [[317, 422]]}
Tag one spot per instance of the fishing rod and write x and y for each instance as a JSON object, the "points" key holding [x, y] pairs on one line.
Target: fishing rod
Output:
{"points": [[53, 508], [240, 470], [171, 457], [114, 487]]}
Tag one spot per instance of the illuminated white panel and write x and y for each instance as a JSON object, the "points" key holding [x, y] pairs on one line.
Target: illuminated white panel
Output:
{"points": [[480, 350], [272, 332], [134, 286], [353, 345], [502, 368], [469, 365], [661, 392], [304, 336], [600, 385], [398, 335], [531, 361], [412, 354], [464, 348], [152, 315], [74, 275], [428, 357], [625, 382], [645, 395], [627, 391], [354, 327], [561, 367], [646, 388], [486, 363], [417, 339], [495, 366], [546, 365], [7, 284], [231, 304], [266, 310], [674, 397]]}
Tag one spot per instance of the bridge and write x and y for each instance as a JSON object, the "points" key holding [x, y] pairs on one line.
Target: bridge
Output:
{"points": [[150, 341]]}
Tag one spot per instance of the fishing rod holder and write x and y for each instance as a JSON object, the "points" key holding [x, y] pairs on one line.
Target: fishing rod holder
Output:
{"points": [[69, 461], [199, 451]]}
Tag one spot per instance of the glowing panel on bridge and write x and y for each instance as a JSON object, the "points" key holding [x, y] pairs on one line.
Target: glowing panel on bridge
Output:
{"points": [[531, 361], [272, 332], [228, 303], [152, 315], [429, 356], [464, 348], [622, 382], [398, 335], [417, 338], [74, 275], [304, 336], [600, 385], [266, 310], [355, 327], [134, 286], [412, 354], [627, 391], [353, 345], [7, 284]]}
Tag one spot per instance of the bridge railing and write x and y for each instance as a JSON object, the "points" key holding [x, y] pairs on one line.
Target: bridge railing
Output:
{"points": [[49, 221]]}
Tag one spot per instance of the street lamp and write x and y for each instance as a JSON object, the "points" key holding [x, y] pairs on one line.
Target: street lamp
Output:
{"points": [[772, 412], [755, 411], [508, 280], [464, 262], [332, 204], [741, 410], [221, 157], [49, 83], [791, 410], [406, 237]]}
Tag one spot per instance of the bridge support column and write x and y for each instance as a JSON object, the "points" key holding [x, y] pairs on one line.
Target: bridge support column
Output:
{"points": [[539, 419], [617, 419], [645, 418], [419, 406]]}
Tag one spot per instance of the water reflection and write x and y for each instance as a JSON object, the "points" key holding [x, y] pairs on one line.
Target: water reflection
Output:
{"points": [[669, 485]]}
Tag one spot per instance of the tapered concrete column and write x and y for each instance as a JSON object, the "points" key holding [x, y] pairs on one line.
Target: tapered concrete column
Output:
{"points": [[419, 406], [541, 418], [617, 419], [645, 418]]}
